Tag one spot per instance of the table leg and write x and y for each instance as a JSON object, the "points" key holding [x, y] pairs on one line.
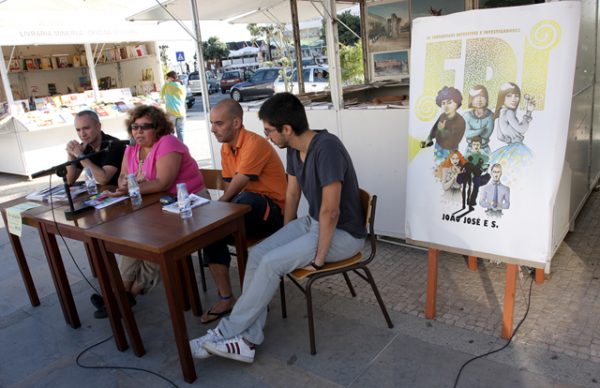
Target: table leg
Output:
{"points": [[192, 286], [509, 300], [169, 273], [59, 276], [116, 282], [472, 263], [92, 264], [110, 302], [241, 249], [432, 269], [183, 290], [539, 275], [15, 242]]}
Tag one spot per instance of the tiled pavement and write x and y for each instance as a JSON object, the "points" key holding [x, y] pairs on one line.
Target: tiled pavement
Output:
{"points": [[558, 345], [564, 314]]}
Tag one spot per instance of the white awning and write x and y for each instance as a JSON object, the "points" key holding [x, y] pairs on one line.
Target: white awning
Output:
{"points": [[25, 22], [237, 11]]}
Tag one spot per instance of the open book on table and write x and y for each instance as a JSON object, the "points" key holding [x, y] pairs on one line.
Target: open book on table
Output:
{"points": [[101, 200], [57, 192], [195, 202]]}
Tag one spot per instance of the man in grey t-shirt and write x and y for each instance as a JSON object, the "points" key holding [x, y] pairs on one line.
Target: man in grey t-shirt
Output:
{"points": [[319, 166]]}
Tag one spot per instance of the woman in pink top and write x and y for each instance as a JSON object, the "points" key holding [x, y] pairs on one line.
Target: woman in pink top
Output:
{"points": [[160, 161], [158, 158]]}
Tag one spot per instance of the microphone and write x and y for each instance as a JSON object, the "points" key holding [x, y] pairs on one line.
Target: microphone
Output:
{"points": [[118, 142]]}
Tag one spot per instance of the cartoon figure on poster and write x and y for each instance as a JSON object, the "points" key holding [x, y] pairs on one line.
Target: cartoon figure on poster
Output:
{"points": [[448, 172], [479, 120], [511, 131], [472, 177], [449, 128], [462, 177], [495, 196]]}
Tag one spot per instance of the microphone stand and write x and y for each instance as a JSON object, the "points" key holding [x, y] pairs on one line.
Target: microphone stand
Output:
{"points": [[61, 171]]}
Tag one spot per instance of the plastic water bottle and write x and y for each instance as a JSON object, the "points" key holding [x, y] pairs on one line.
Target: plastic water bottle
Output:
{"points": [[90, 181], [184, 202], [134, 191]]}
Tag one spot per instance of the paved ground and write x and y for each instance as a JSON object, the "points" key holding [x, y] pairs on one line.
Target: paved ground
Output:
{"points": [[558, 345]]}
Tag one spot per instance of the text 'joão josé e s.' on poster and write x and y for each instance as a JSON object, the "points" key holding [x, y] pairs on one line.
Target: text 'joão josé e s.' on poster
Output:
{"points": [[490, 96]]}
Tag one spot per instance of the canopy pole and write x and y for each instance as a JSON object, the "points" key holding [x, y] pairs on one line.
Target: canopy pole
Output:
{"points": [[297, 45], [333, 55], [364, 41], [202, 74], [92, 68], [6, 82]]}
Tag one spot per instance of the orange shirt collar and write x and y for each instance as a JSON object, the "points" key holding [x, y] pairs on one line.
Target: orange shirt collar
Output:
{"points": [[239, 143]]}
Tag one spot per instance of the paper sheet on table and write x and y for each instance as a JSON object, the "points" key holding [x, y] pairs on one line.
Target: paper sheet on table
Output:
{"points": [[13, 216]]}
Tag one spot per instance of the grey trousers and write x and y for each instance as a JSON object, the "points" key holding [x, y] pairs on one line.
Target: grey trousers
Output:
{"points": [[291, 247]]}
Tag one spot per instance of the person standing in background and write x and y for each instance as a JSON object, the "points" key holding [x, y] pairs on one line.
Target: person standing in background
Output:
{"points": [[173, 92]]}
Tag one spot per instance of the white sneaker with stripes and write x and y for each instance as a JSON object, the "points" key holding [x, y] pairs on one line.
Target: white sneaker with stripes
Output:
{"points": [[234, 348], [196, 344]]}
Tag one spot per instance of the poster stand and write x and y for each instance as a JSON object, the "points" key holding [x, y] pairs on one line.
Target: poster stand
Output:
{"points": [[510, 288]]}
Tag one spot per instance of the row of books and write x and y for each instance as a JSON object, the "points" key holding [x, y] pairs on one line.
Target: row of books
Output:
{"points": [[49, 111], [125, 52], [62, 61], [50, 62]]}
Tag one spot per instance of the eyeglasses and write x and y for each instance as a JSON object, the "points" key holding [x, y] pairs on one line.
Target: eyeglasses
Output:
{"points": [[269, 131], [143, 127]]}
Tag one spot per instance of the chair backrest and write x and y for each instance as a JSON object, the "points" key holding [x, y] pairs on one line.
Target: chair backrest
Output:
{"points": [[213, 179], [369, 205]]}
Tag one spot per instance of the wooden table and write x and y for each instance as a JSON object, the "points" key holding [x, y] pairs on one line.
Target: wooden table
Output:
{"points": [[51, 223], [165, 239], [15, 242]]}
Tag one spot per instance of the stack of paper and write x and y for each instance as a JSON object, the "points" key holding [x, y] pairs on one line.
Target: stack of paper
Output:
{"points": [[102, 200], [57, 193], [196, 201]]}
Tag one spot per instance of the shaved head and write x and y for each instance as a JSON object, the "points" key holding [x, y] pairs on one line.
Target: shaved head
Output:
{"points": [[230, 107]]}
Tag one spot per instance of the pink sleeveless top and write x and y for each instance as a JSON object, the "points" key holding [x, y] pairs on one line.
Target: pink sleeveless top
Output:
{"points": [[188, 171]]}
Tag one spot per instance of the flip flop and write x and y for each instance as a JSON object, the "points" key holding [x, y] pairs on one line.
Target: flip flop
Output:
{"points": [[216, 316]]}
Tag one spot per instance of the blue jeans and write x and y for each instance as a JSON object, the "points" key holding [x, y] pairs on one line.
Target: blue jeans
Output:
{"points": [[178, 123], [264, 219], [293, 246]]}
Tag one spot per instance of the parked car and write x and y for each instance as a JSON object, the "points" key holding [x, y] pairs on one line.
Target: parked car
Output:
{"points": [[316, 79], [232, 77], [194, 83], [212, 83], [260, 85], [189, 98]]}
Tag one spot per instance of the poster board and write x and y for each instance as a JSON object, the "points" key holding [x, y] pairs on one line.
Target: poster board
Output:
{"points": [[490, 101]]}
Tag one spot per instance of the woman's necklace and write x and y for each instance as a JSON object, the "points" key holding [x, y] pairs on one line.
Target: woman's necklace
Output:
{"points": [[141, 160]]}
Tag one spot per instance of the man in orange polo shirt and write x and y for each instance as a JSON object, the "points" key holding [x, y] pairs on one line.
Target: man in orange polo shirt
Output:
{"points": [[254, 175]]}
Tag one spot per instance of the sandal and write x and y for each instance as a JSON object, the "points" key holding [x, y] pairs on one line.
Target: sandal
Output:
{"points": [[212, 316]]}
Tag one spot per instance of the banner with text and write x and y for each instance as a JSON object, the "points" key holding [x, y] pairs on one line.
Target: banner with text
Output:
{"points": [[490, 97]]}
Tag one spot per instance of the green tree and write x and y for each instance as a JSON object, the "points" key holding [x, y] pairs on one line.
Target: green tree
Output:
{"points": [[345, 36], [351, 62], [164, 58], [214, 50], [266, 32]]}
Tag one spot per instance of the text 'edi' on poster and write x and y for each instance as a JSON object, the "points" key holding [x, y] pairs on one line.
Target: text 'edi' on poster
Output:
{"points": [[490, 97]]}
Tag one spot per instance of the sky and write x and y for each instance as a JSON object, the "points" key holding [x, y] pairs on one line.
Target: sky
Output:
{"points": [[226, 32]]}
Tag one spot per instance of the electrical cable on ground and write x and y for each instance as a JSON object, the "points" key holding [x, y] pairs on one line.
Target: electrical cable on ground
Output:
{"points": [[97, 292], [505, 345], [79, 364]]}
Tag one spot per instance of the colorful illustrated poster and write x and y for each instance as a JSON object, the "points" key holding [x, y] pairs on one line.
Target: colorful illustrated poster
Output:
{"points": [[490, 97]]}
